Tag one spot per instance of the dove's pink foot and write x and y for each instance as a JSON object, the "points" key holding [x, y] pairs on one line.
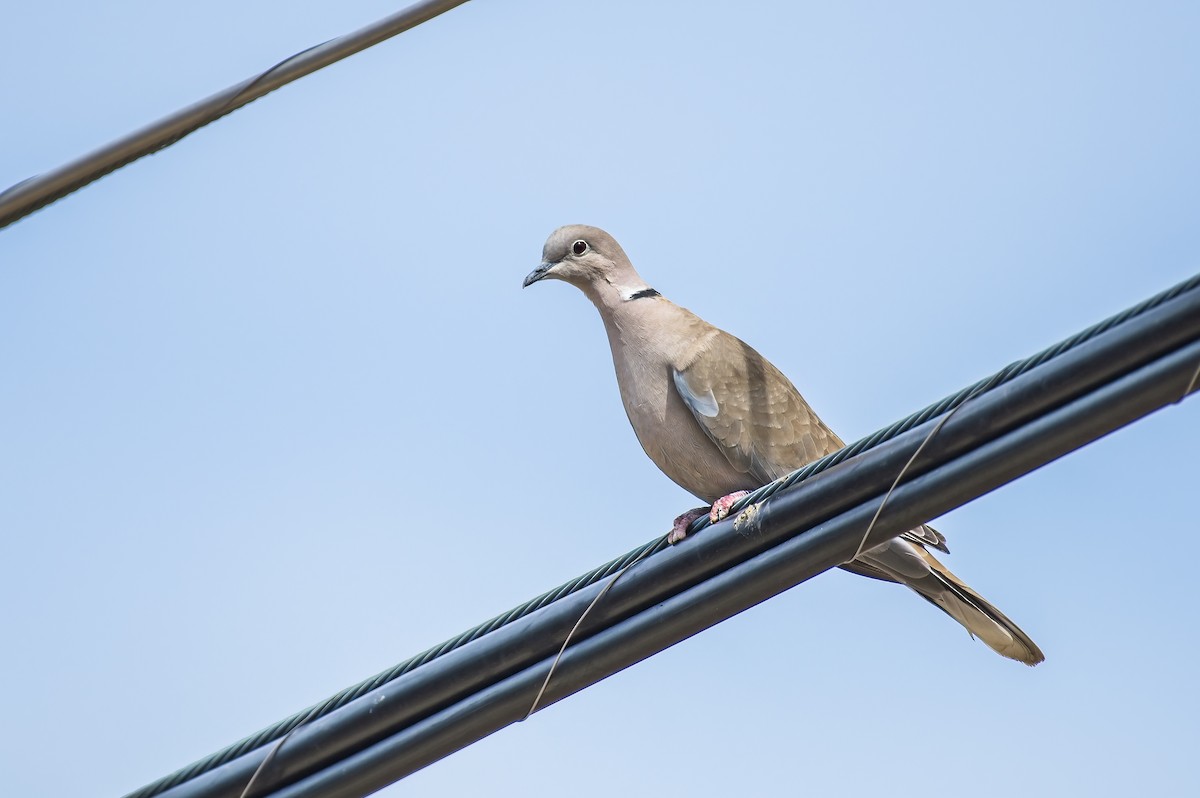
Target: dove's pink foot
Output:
{"points": [[680, 527], [720, 507], [719, 510]]}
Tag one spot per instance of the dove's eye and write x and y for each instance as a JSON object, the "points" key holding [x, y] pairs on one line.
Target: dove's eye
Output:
{"points": [[579, 247]]}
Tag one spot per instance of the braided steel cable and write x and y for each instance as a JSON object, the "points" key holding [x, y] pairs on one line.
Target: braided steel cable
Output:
{"points": [[280, 729]]}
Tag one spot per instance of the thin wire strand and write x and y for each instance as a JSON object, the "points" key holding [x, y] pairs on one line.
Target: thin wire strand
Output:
{"points": [[554, 665], [1191, 384], [936, 429], [267, 760]]}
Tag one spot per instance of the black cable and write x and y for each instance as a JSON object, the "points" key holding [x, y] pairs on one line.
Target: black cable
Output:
{"points": [[796, 559], [1149, 329]]}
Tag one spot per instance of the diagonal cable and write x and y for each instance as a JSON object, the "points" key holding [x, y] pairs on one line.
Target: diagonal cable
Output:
{"points": [[280, 729], [35, 193]]}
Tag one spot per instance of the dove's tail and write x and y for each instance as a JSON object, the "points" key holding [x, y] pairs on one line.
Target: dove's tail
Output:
{"points": [[936, 584], [952, 596]]}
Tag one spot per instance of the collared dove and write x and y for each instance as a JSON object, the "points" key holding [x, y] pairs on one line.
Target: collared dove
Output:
{"points": [[718, 419]]}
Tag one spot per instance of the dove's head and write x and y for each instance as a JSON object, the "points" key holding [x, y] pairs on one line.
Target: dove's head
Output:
{"points": [[589, 259]]}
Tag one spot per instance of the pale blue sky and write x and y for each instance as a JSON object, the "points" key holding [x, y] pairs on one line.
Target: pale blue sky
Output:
{"points": [[276, 414]]}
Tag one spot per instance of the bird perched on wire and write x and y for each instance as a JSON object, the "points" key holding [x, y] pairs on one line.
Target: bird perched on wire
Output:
{"points": [[720, 420]]}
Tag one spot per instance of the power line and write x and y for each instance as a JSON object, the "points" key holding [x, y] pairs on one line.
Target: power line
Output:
{"points": [[770, 573], [1023, 416], [28, 196]]}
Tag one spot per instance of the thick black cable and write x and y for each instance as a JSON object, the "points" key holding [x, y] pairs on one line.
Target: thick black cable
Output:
{"points": [[1159, 329], [800, 557], [34, 193]]}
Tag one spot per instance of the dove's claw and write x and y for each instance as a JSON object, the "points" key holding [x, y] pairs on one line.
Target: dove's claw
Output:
{"points": [[680, 527], [721, 506]]}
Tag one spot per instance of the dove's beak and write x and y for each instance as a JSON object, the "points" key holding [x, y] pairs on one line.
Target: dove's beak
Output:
{"points": [[540, 272]]}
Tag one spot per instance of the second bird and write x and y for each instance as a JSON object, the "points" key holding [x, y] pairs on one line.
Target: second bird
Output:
{"points": [[717, 418]]}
